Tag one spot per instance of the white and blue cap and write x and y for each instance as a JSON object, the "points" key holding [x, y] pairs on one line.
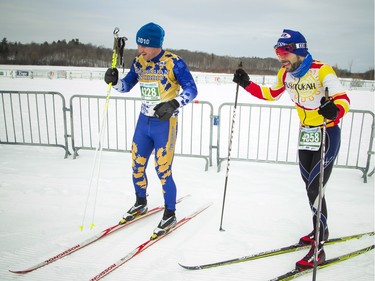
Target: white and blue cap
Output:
{"points": [[294, 38], [150, 35]]}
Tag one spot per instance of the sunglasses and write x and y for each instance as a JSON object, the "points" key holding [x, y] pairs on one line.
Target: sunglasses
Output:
{"points": [[282, 51]]}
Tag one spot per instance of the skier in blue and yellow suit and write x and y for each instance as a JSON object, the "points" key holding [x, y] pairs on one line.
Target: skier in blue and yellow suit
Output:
{"points": [[160, 75]]}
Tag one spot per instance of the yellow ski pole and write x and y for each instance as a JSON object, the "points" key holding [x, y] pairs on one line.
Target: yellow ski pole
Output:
{"points": [[99, 147]]}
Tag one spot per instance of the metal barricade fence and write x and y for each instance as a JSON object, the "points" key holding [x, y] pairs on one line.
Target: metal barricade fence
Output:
{"points": [[194, 126], [262, 133], [269, 133], [33, 118]]}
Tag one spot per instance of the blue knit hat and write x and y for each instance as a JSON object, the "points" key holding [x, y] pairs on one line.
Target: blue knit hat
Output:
{"points": [[150, 35], [296, 39]]}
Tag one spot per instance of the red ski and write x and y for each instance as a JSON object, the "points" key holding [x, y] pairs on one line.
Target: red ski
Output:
{"points": [[91, 240], [145, 245]]}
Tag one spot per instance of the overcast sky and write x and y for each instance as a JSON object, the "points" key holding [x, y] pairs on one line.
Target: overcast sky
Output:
{"points": [[338, 32]]}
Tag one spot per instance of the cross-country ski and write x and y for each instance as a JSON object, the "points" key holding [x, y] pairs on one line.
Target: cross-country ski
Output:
{"points": [[274, 252], [91, 240], [146, 245]]}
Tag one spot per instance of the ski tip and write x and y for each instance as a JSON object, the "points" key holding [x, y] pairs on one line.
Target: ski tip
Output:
{"points": [[189, 267], [92, 226], [181, 265], [204, 207], [81, 227], [207, 205], [19, 271], [183, 197]]}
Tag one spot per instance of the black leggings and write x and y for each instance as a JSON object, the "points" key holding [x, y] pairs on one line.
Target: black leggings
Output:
{"points": [[309, 164]]}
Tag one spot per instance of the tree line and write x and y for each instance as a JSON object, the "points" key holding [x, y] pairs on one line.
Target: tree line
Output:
{"points": [[75, 53]]}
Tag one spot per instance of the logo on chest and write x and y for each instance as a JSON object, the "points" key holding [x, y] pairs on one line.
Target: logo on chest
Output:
{"points": [[304, 89]]}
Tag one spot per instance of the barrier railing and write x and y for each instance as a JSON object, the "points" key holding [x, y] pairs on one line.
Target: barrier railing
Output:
{"points": [[268, 133], [262, 133], [194, 126], [33, 118]]}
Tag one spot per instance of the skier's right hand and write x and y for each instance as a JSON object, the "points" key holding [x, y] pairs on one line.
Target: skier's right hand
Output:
{"points": [[111, 76], [241, 78]]}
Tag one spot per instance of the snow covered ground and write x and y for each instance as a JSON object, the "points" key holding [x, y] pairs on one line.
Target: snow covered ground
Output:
{"points": [[43, 196]]}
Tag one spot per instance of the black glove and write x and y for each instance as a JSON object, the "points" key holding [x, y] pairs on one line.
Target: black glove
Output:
{"points": [[328, 109], [111, 75], [164, 110], [241, 78]]}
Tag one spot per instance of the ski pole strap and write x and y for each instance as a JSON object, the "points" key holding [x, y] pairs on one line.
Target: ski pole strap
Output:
{"points": [[114, 53], [120, 49]]}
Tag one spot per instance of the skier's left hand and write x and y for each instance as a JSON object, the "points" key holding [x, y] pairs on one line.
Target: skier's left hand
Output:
{"points": [[164, 110], [328, 109]]}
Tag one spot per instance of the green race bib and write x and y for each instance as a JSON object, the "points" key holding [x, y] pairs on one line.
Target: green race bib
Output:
{"points": [[310, 139], [150, 91]]}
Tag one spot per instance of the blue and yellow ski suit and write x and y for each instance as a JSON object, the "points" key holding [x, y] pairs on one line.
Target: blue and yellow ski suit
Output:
{"points": [[160, 80]]}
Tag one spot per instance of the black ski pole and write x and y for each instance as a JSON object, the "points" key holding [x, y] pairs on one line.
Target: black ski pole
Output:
{"points": [[229, 152], [321, 183]]}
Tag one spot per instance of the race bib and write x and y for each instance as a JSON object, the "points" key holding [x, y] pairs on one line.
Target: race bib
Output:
{"points": [[150, 91], [310, 139]]}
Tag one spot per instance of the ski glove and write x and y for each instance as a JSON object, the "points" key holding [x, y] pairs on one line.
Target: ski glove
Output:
{"points": [[328, 109], [164, 110], [241, 78], [111, 76]]}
